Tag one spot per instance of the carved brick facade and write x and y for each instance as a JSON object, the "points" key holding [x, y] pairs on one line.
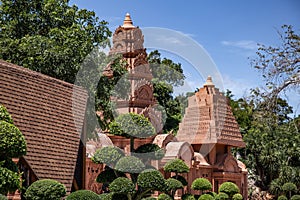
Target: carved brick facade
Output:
{"points": [[206, 133]]}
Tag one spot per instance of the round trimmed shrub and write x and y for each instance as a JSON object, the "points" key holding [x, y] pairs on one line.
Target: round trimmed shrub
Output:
{"points": [[4, 115], [229, 188], [132, 125], [222, 196], [188, 197], [12, 141], [282, 197], [83, 195], [295, 197], [181, 179], [9, 180], [237, 197], [45, 190], [164, 196], [2, 197], [151, 179], [201, 184], [173, 184], [213, 194], [106, 196], [177, 166], [149, 198], [206, 197], [108, 155], [130, 164], [122, 185], [289, 188]]}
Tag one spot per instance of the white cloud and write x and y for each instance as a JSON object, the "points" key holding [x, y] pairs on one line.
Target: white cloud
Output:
{"points": [[243, 44], [238, 87]]}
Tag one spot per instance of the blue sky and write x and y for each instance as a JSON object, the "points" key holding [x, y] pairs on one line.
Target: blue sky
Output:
{"points": [[227, 30]]}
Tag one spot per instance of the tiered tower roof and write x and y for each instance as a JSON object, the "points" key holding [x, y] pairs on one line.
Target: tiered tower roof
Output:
{"points": [[209, 119]]}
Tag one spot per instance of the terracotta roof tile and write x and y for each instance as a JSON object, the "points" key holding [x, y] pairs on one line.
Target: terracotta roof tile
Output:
{"points": [[44, 109]]}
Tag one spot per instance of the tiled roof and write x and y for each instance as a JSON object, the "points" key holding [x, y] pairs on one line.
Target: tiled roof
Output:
{"points": [[50, 114], [209, 119]]}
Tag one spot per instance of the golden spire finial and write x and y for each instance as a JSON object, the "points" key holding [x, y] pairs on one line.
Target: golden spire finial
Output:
{"points": [[209, 82], [128, 22]]}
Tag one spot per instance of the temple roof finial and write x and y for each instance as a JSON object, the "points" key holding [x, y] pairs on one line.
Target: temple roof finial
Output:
{"points": [[128, 22], [209, 82]]}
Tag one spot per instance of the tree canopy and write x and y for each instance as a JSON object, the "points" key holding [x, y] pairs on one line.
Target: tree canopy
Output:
{"points": [[49, 36]]}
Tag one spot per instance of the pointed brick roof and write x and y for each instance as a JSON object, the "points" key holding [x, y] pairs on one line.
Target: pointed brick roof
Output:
{"points": [[41, 108], [209, 119]]}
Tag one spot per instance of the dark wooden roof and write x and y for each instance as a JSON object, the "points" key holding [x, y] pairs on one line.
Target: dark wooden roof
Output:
{"points": [[50, 114]]}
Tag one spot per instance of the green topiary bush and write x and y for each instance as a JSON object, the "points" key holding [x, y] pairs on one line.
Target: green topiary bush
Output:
{"points": [[201, 184], [176, 166], [188, 197], [9, 180], [149, 198], [4, 115], [2, 197], [151, 179], [222, 196], [237, 197], [282, 197], [206, 197], [45, 190], [122, 185], [295, 197], [164, 196], [229, 188], [12, 142], [181, 179], [289, 188], [83, 195], [109, 155], [130, 164], [173, 184]]}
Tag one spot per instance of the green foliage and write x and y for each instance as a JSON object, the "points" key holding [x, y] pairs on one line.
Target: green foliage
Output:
{"points": [[149, 198], [45, 189], [173, 184], [113, 196], [167, 74], [9, 180], [12, 142], [130, 164], [4, 115], [188, 197], [177, 166], [289, 187], [2, 197], [151, 179], [282, 197], [122, 185], [109, 155], [206, 197], [222, 196], [164, 196], [229, 188], [50, 36], [149, 152], [83, 195], [237, 197], [132, 125], [201, 184], [181, 179], [295, 197]]}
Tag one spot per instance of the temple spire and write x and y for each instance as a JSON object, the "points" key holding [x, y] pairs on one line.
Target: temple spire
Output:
{"points": [[128, 22], [209, 82]]}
